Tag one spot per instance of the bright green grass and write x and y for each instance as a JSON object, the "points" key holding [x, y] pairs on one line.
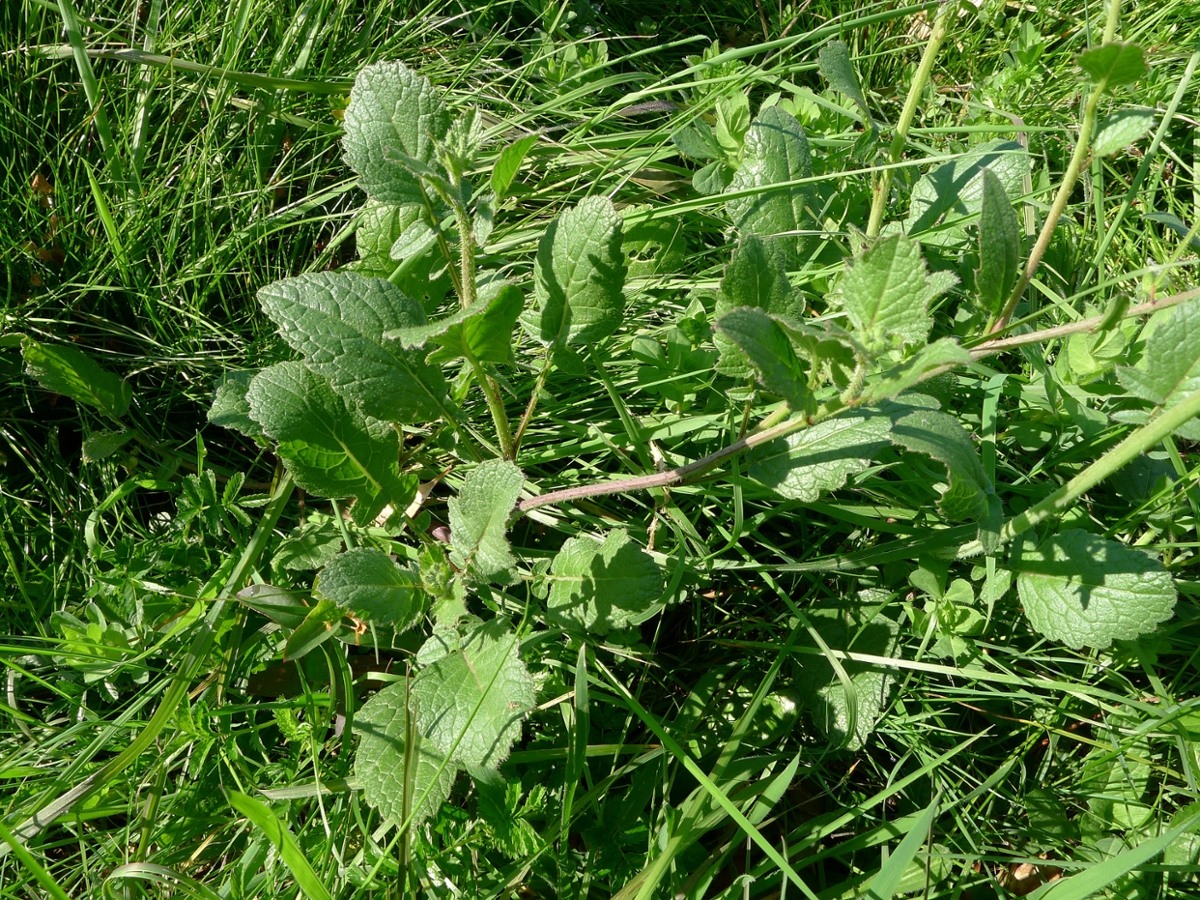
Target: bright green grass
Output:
{"points": [[210, 186]]}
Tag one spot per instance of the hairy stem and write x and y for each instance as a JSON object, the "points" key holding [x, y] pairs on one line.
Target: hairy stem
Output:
{"points": [[495, 403], [883, 185], [777, 425], [533, 397]]}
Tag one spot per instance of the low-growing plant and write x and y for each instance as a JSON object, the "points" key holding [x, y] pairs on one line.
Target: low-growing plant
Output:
{"points": [[802, 371]]}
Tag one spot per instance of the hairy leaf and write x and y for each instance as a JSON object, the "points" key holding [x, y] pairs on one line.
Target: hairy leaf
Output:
{"points": [[999, 245], [939, 436], [393, 111], [770, 352], [1119, 130], [834, 61], [397, 791], [103, 444], [485, 330], [579, 276], [887, 293], [230, 408], [944, 200], [807, 462], [1086, 591], [337, 320], [1171, 367], [509, 163], [599, 587], [366, 582], [330, 448], [471, 701], [776, 153], [830, 702], [1116, 64], [72, 373], [756, 276], [479, 517], [910, 373]]}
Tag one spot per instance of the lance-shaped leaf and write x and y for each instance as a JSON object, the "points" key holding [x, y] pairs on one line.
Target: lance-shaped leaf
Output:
{"points": [[579, 276], [483, 330], [471, 701], [599, 587], [944, 200], [756, 276], [770, 352], [887, 293], [939, 436], [1086, 591], [999, 245], [509, 163], [72, 373], [1171, 367], [404, 783], [1115, 64], [803, 464], [908, 374], [330, 447], [230, 408], [337, 320], [103, 444], [393, 112], [835, 65], [776, 153], [367, 583], [479, 517]]}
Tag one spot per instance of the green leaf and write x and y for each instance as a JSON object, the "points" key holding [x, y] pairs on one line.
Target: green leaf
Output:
{"points": [[889, 880], [103, 444], [417, 237], [509, 163], [283, 840], [308, 546], [1171, 362], [281, 605], [579, 276], [471, 701], [776, 153], [770, 352], [887, 293], [367, 583], [1177, 225], [599, 587], [828, 696], [944, 199], [803, 464], [1086, 591], [316, 628], [337, 320], [653, 246], [230, 408], [399, 781], [330, 448], [392, 111], [484, 329], [756, 276], [908, 374], [72, 373], [479, 517], [696, 141], [1122, 128], [999, 245], [834, 62], [939, 436], [1115, 64]]}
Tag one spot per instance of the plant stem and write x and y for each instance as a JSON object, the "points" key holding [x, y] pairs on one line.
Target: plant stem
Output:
{"points": [[495, 403], [1070, 177], [466, 253], [777, 425], [883, 186], [533, 396]]}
